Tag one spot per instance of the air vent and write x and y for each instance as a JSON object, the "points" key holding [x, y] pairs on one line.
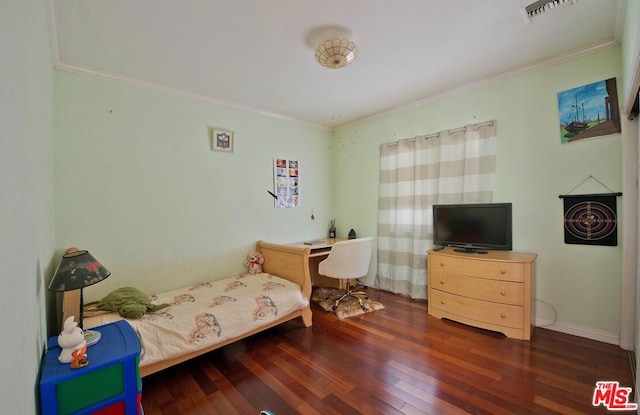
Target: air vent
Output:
{"points": [[542, 8]]}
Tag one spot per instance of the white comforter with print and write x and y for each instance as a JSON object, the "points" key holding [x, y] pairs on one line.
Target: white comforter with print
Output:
{"points": [[205, 314]]}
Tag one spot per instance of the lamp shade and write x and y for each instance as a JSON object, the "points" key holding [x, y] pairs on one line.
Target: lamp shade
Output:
{"points": [[77, 269]]}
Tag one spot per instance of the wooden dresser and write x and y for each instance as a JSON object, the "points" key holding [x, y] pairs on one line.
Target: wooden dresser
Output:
{"points": [[492, 291]]}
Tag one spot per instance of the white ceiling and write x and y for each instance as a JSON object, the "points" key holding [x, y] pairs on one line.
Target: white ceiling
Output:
{"points": [[258, 55]]}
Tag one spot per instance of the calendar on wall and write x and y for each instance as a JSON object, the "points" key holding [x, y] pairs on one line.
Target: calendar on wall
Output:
{"points": [[286, 181]]}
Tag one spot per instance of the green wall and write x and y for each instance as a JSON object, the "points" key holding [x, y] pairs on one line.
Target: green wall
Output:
{"points": [[26, 199], [138, 186], [579, 283]]}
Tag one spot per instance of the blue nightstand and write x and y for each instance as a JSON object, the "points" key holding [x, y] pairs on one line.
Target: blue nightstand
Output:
{"points": [[110, 384]]}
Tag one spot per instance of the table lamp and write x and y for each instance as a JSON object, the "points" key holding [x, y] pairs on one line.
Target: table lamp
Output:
{"points": [[79, 269]]}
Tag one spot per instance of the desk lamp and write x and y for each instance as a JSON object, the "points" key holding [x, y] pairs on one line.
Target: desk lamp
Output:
{"points": [[79, 269]]}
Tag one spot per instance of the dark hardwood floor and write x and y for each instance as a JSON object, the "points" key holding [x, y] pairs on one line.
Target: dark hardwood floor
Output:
{"points": [[393, 361]]}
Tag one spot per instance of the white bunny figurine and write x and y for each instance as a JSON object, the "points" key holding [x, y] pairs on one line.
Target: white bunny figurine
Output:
{"points": [[71, 338]]}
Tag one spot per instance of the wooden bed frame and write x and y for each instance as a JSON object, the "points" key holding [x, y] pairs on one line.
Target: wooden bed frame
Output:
{"points": [[285, 261]]}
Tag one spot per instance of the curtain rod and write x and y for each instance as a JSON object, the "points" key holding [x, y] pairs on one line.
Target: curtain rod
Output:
{"points": [[434, 135], [475, 127]]}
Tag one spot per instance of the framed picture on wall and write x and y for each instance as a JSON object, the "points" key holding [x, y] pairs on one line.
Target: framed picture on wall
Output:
{"points": [[221, 139], [589, 111]]}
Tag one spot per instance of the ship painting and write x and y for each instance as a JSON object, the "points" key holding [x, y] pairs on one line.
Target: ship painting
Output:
{"points": [[589, 111], [576, 126]]}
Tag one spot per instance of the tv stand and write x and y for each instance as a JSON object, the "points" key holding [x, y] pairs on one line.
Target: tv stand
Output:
{"points": [[492, 291]]}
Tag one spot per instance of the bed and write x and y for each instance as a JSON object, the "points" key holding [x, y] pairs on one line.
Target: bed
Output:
{"points": [[207, 316]]}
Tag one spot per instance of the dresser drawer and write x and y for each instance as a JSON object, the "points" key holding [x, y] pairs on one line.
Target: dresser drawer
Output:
{"points": [[506, 271], [504, 292], [493, 313]]}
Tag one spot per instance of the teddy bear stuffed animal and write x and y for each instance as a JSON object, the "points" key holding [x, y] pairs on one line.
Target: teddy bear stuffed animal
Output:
{"points": [[254, 261]]}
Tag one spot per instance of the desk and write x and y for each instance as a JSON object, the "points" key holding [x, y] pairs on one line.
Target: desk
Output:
{"points": [[319, 252]]}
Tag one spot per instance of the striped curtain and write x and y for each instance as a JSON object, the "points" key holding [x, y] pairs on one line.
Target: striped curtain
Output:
{"points": [[454, 166]]}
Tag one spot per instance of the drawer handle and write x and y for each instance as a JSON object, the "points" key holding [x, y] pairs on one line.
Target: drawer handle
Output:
{"points": [[442, 302], [503, 293], [441, 282], [503, 272], [442, 264], [503, 315]]}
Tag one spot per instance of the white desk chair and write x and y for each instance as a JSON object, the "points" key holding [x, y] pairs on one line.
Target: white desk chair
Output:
{"points": [[348, 260]]}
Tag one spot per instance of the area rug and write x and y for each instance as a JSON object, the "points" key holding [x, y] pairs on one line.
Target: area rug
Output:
{"points": [[348, 307]]}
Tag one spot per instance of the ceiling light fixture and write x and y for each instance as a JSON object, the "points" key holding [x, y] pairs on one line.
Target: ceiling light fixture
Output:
{"points": [[336, 53]]}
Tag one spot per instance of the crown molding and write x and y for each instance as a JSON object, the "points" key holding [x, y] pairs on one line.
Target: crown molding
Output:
{"points": [[96, 73], [504, 75], [53, 31], [181, 93]]}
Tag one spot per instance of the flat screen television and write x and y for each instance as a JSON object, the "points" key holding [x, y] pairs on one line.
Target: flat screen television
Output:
{"points": [[476, 227]]}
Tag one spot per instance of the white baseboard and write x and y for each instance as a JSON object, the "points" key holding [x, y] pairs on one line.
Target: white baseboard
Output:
{"points": [[568, 328]]}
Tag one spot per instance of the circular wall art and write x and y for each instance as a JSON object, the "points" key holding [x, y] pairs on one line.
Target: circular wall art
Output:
{"points": [[590, 220]]}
